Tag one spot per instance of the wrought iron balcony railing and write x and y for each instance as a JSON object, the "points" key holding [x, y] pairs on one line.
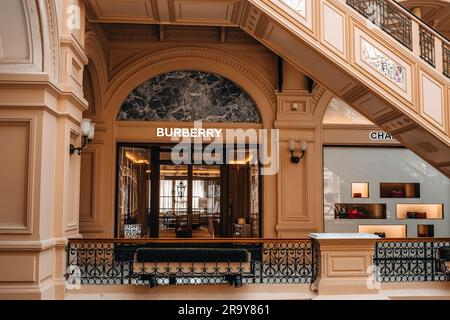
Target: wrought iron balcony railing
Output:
{"points": [[411, 260], [384, 15], [446, 58], [190, 261], [398, 22], [427, 46]]}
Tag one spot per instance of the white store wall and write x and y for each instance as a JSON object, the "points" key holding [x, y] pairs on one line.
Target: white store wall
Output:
{"points": [[344, 165]]}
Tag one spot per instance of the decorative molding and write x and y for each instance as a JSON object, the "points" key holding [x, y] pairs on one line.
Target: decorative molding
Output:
{"points": [[183, 52], [25, 224], [318, 92], [174, 33], [53, 27], [27, 245], [355, 93]]}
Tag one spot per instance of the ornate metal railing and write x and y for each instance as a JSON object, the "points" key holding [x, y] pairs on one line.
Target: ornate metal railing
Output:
{"points": [[410, 260], [446, 59], [427, 51], [121, 262], [398, 22], [384, 15]]}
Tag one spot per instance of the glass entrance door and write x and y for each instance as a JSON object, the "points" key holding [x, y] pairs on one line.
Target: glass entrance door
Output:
{"points": [[189, 201], [174, 213], [158, 199]]}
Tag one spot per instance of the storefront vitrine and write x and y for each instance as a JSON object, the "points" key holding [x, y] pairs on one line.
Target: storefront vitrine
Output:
{"points": [[215, 197]]}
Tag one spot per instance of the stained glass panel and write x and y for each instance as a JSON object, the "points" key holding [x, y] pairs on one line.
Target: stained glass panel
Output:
{"points": [[388, 67], [298, 5]]}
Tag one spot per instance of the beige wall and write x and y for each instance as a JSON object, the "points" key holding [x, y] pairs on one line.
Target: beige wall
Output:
{"points": [[41, 105]]}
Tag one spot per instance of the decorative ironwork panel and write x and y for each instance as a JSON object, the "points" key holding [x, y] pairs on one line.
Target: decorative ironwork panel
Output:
{"points": [[383, 63], [446, 59], [427, 51], [116, 262], [410, 261], [387, 17]]}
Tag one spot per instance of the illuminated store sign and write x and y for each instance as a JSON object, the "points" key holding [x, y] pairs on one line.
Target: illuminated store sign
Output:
{"points": [[188, 133], [380, 136]]}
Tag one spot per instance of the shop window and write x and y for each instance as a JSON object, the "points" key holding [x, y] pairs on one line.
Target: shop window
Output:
{"points": [[425, 231], [133, 192], [384, 231], [420, 211], [399, 190], [159, 198], [399, 176], [360, 190]]}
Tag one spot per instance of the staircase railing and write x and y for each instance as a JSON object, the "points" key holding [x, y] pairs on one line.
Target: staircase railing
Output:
{"points": [[402, 25]]}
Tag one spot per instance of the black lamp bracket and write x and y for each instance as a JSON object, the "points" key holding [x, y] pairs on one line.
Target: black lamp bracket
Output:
{"points": [[86, 143], [296, 159]]}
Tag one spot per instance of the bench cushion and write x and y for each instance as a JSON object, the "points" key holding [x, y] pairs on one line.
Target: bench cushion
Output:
{"points": [[191, 255], [444, 253]]}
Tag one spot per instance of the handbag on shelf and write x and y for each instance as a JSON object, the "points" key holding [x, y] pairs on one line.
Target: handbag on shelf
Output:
{"points": [[421, 215], [397, 194], [355, 214], [411, 215]]}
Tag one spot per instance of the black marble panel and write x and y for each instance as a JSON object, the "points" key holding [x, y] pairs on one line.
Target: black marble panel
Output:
{"points": [[189, 96]]}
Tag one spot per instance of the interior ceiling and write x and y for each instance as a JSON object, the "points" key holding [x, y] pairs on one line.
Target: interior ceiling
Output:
{"points": [[181, 12], [436, 13]]}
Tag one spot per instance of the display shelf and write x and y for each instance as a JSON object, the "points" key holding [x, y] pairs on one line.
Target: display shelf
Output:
{"points": [[360, 190], [360, 211], [420, 211], [385, 231], [425, 231], [399, 190]]}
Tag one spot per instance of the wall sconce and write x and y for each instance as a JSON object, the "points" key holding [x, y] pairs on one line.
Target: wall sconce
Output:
{"points": [[292, 147], [87, 131]]}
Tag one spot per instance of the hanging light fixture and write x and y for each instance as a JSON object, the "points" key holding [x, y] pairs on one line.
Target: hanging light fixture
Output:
{"points": [[181, 187], [87, 132]]}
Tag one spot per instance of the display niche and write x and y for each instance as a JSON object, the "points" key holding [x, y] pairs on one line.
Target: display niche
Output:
{"points": [[360, 211], [360, 190], [420, 211], [399, 190], [391, 231], [425, 231]]}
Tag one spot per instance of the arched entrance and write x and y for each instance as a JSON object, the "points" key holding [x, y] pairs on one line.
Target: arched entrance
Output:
{"points": [[213, 189]]}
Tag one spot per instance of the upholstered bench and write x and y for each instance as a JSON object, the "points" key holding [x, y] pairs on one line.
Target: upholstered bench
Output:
{"points": [[230, 263]]}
